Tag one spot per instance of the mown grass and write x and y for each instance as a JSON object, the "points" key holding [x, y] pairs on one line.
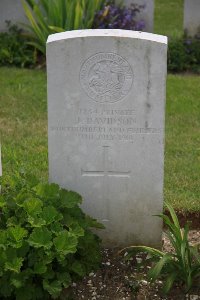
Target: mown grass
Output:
{"points": [[169, 17], [23, 123], [182, 163]]}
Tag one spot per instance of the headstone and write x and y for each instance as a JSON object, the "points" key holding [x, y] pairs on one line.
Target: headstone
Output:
{"points": [[106, 99], [146, 14], [11, 10], [192, 17]]}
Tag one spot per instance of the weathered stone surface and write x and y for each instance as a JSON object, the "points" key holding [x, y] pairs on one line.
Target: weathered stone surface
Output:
{"points": [[192, 17], [146, 14], [106, 99], [11, 10]]}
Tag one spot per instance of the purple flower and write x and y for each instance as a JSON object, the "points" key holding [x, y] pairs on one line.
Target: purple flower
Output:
{"points": [[140, 25], [117, 17]]}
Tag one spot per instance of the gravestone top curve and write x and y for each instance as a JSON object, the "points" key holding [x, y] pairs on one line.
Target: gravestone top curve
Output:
{"points": [[107, 32]]}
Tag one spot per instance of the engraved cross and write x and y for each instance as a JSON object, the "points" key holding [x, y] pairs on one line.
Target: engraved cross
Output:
{"points": [[105, 172]]}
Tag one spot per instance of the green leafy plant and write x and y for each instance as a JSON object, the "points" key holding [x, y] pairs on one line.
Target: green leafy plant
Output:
{"points": [[184, 54], [51, 16], [182, 265], [45, 240], [14, 49]]}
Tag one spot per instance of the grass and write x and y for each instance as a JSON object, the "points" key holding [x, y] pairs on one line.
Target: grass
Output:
{"points": [[182, 163], [23, 122], [169, 17]]}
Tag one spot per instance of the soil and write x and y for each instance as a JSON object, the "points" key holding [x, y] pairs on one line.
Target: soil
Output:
{"points": [[120, 279], [192, 218]]}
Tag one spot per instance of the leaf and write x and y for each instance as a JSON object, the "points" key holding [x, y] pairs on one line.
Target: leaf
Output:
{"points": [[147, 249], [76, 230], [3, 257], [154, 273], [78, 268], [94, 223], [173, 214], [19, 279], [14, 265], [24, 249], [17, 283], [56, 29], [40, 268], [25, 293], [169, 282], [50, 214], [54, 288], [17, 233], [65, 279], [2, 202], [47, 191], [65, 242], [22, 197], [56, 228], [3, 239], [40, 237], [36, 221], [12, 221], [6, 288], [69, 199], [33, 206]]}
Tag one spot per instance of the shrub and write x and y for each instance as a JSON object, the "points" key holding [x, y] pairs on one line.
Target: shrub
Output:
{"points": [[51, 16], [184, 55], [14, 49], [113, 16], [182, 265], [45, 240]]}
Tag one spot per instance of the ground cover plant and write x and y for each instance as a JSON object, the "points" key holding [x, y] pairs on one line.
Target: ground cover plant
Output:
{"points": [[184, 54], [14, 49], [182, 265], [45, 239]]}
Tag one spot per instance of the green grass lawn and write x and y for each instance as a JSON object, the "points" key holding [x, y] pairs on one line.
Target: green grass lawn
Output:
{"points": [[182, 154], [23, 123], [169, 17]]}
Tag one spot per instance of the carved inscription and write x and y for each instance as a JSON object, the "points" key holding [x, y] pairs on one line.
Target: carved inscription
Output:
{"points": [[104, 125], [106, 77]]}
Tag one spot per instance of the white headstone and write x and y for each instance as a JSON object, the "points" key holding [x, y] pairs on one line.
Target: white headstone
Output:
{"points": [[106, 102], [146, 14], [11, 10], [192, 17]]}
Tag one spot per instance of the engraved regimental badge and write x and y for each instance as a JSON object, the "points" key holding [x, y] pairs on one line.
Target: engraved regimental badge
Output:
{"points": [[106, 77]]}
